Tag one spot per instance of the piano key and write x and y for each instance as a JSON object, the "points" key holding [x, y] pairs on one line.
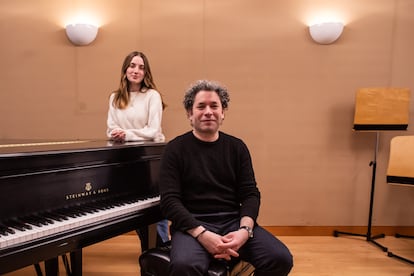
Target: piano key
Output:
{"points": [[4, 230], [63, 213], [35, 220], [55, 216], [20, 236], [16, 224], [24, 235]]}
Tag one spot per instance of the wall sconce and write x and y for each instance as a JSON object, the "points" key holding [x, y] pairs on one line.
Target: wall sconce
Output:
{"points": [[326, 33], [81, 34]]}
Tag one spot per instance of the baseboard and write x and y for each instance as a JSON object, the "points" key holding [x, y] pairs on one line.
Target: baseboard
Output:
{"points": [[328, 230]]}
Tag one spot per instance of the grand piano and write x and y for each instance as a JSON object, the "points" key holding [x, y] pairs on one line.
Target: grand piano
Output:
{"points": [[58, 197]]}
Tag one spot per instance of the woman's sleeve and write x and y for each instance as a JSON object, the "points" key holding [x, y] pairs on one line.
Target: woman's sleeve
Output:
{"points": [[111, 123]]}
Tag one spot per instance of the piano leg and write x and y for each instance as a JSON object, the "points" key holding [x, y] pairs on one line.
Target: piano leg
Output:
{"points": [[142, 233], [148, 236], [38, 270], [152, 235], [66, 264], [76, 262], [72, 269], [52, 267]]}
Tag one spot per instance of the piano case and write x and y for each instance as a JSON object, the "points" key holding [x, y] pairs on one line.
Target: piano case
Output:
{"points": [[59, 197]]}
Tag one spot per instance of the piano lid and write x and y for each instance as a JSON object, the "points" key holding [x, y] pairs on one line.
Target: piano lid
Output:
{"points": [[29, 155], [20, 147]]}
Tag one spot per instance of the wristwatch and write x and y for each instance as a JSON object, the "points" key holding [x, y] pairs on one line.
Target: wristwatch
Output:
{"points": [[248, 229]]}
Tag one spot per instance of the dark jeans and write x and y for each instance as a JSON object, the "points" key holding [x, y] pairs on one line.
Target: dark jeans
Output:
{"points": [[265, 252], [162, 235]]}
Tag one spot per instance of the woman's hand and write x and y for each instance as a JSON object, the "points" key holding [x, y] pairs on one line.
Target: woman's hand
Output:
{"points": [[118, 135]]}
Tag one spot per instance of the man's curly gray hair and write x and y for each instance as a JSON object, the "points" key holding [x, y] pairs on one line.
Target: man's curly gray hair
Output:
{"points": [[205, 85]]}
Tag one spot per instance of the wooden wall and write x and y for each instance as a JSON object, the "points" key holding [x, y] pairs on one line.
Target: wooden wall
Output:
{"points": [[292, 100]]}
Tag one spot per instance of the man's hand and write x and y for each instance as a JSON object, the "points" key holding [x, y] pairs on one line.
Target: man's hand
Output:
{"points": [[224, 247]]}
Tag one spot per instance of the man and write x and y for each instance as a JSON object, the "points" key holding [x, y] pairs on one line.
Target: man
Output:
{"points": [[209, 193]]}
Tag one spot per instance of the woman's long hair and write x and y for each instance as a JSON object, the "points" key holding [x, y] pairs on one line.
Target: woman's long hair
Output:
{"points": [[122, 97]]}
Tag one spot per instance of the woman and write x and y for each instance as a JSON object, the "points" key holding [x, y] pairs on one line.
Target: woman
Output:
{"points": [[135, 108], [135, 111]]}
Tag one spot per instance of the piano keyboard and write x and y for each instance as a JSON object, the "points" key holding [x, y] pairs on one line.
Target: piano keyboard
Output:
{"points": [[32, 227]]}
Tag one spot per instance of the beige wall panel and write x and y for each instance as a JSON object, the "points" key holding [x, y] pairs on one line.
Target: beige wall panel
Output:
{"points": [[292, 100], [172, 35], [393, 201]]}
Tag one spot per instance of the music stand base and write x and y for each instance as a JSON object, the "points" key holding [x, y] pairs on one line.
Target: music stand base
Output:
{"points": [[368, 238], [397, 235], [390, 254]]}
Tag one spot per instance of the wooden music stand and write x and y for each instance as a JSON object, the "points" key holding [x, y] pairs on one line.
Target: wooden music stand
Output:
{"points": [[379, 109], [401, 171]]}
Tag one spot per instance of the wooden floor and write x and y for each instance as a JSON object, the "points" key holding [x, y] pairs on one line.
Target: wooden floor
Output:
{"points": [[313, 256]]}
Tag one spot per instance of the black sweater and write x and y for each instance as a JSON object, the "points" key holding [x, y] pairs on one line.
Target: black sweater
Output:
{"points": [[199, 177]]}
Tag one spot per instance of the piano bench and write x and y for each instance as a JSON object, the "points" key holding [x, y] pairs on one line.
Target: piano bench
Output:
{"points": [[155, 262]]}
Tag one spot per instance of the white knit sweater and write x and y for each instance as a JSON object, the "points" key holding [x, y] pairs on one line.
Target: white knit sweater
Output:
{"points": [[141, 119]]}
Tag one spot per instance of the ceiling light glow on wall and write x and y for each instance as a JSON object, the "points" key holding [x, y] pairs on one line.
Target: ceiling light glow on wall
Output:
{"points": [[81, 34], [327, 32]]}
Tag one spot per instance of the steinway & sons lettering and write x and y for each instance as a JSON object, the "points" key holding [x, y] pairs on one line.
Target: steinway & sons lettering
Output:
{"points": [[87, 193]]}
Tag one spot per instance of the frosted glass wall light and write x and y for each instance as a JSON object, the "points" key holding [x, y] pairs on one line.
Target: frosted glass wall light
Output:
{"points": [[327, 32], [81, 34]]}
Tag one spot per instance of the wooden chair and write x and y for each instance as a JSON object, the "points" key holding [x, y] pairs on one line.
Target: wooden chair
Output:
{"points": [[401, 171]]}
